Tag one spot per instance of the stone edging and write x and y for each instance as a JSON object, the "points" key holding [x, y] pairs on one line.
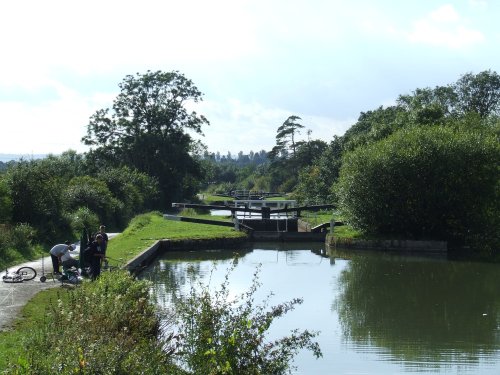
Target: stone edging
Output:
{"points": [[146, 257], [395, 245]]}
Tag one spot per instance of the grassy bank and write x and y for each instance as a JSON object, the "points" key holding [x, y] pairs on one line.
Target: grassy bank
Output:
{"points": [[143, 231], [32, 315], [341, 231]]}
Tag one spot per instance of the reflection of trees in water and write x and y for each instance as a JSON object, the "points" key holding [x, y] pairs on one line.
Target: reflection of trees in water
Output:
{"points": [[421, 308], [171, 272], [176, 269]]}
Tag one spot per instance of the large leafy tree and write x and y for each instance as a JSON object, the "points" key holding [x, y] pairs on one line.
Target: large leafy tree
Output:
{"points": [[146, 128], [315, 181], [472, 93]]}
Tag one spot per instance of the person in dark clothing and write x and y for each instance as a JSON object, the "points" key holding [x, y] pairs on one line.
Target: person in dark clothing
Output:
{"points": [[94, 255], [105, 239]]}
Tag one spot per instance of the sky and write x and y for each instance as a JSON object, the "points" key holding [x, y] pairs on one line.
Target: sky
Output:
{"points": [[257, 62]]}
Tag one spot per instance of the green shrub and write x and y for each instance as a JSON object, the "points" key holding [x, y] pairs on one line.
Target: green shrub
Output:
{"points": [[91, 192], [82, 218], [16, 243], [22, 237], [109, 326], [433, 182], [225, 335], [5, 202]]}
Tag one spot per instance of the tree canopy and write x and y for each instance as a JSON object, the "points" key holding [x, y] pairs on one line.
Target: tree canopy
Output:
{"points": [[286, 144], [146, 128]]}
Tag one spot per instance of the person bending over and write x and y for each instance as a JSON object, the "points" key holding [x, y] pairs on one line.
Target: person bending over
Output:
{"points": [[58, 252]]}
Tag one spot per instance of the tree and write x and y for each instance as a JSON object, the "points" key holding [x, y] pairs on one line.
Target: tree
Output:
{"points": [[136, 190], [309, 151], [430, 106], [146, 129], [36, 198], [479, 93], [375, 125], [5, 202], [315, 181], [285, 138]]}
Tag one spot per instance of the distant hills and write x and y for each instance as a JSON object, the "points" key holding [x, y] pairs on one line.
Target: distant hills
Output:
{"points": [[8, 157]]}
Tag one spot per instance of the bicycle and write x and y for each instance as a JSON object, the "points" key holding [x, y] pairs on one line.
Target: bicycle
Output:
{"points": [[22, 274]]}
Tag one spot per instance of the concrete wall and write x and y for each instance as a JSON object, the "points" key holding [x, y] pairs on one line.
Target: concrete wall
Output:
{"points": [[147, 256], [395, 245]]}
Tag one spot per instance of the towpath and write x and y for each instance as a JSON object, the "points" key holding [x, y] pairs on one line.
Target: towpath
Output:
{"points": [[13, 296]]}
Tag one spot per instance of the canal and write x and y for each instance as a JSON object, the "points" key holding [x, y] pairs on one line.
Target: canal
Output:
{"points": [[376, 312]]}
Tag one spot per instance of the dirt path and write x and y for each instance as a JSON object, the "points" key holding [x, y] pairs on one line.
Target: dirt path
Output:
{"points": [[13, 296]]}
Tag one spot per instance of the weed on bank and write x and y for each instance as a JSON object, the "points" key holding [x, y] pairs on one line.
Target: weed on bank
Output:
{"points": [[109, 326]]}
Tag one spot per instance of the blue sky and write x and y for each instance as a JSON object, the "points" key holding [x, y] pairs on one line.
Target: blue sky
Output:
{"points": [[256, 61]]}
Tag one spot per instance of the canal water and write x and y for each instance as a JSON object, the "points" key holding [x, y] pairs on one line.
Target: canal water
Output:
{"points": [[376, 312]]}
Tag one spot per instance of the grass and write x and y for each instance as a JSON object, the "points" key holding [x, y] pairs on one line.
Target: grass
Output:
{"points": [[280, 198], [341, 231], [208, 198], [146, 229], [345, 231], [32, 315]]}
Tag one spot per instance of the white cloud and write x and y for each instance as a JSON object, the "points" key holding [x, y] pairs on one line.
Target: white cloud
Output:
{"points": [[479, 3], [445, 27], [236, 126], [50, 127], [96, 36], [257, 61]]}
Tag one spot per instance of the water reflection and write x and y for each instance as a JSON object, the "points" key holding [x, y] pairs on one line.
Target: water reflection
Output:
{"points": [[378, 313], [421, 309]]}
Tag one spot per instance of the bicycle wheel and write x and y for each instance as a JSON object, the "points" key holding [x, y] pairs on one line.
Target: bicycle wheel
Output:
{"points": [[27, 273]]}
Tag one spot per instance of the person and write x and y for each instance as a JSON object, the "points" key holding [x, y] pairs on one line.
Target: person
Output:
{"points": [[67, 261], [94, 255], [102, 232], [57, 253]]}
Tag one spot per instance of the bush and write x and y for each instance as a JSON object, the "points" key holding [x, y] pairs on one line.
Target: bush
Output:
{"points": [[16, 242], [106, 327], [82, 218], [225, 335], [22, 237], [86, 191], [434, 183], [5, 202], [36, 199]]}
